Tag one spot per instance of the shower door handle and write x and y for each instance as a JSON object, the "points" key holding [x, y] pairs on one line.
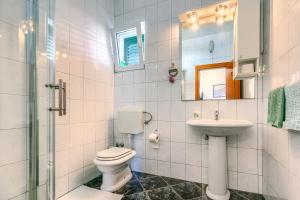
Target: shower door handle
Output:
{"points": [[64, 97], [62, 100]]}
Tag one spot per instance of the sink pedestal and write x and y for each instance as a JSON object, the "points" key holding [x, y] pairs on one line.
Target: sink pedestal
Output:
{"points": [[217, 130], [217, 169]]}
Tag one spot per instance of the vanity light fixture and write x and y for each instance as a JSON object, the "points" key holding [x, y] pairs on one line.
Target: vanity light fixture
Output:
{"points": [[220, 19], [193, 17], [1, 36], [64, 55], [60, 55], [194, 26], [26, 26], [44, 54], [217, 13], [221, 9]]}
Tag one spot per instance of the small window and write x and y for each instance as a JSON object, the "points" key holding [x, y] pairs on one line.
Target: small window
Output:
{"points": [[129, 48]]}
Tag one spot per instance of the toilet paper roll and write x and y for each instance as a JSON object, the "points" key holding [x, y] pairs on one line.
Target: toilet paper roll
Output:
{"points": [[154, 137]]}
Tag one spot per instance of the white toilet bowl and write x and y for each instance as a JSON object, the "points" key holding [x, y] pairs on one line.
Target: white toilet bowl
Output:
{"points": [[114, 165]]}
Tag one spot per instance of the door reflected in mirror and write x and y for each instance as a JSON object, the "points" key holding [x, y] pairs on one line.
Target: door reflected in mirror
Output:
{"points": [[207, 54], [214, 81]]}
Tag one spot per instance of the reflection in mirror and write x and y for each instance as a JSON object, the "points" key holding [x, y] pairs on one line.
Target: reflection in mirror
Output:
{"points": [[214, 81], [207, 54]]}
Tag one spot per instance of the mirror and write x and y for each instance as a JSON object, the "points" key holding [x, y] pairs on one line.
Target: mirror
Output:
{"points": [[207, 54]]}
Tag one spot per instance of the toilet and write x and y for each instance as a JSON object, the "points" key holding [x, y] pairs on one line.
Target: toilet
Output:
{"points": [[113, 163]]}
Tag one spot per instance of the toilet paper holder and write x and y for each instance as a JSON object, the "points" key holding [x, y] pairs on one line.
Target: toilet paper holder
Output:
{"points": [[154, 139]]}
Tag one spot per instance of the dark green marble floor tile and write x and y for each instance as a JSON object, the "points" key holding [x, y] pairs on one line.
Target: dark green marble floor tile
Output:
{"points": [[131, 187], [143, 186], [235, 196], [202, 198], [153, 183], [165, 193], [140, 175], [188, 190], [137, 196], [248, 195], [95, 183], [172, 181], [202, 186]]}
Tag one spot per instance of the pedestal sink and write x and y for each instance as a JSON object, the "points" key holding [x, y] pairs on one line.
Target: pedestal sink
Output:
{"points": [[217, 130]]}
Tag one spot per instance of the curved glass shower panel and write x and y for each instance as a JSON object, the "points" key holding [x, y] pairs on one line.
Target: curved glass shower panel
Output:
{"points": [[13, 101], [26, 126]]}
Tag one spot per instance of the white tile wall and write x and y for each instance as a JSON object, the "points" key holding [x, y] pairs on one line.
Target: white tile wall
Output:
{"points": [[281, 148], [82, 33], [183, 151]]}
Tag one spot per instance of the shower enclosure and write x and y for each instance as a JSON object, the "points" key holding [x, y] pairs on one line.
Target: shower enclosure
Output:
{"points": [[43, 44], [38, 29], [40, 56], [27, 99]]}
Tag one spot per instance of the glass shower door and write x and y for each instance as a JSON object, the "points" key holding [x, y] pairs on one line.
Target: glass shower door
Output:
{"points": [[40, 56]]}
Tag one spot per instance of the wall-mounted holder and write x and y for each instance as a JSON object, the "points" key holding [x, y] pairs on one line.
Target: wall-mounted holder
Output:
{"points": [[154, 139], [248, 68], [121, 144], [148, 120], [211, 46], [173, 72]]}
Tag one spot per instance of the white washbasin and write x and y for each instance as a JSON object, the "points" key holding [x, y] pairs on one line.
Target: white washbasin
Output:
{"points": [[220, 128]]}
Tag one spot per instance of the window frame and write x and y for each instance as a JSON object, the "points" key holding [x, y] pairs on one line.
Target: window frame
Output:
{"points": [[141, 65]]}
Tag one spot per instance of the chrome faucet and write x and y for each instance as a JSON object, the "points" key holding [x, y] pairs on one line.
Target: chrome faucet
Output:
{"points": [[216, 115], [197, 114]]}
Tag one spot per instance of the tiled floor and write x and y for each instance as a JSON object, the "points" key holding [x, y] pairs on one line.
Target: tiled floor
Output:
{"points": [[151, 187]]}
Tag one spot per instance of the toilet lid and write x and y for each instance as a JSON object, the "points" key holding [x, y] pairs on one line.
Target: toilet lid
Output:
{"points": [[113, 153]]}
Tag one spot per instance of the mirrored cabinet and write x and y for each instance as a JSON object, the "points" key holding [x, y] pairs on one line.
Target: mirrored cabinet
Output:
{"points": [[220, 50], [247, 39]]}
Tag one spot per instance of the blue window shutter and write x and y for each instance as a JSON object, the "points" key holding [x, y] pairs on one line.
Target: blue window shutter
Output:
{"points": [[131, 50]]}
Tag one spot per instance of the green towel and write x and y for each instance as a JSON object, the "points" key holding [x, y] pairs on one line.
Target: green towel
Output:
{"points": [[276, 107], [292, 107]]}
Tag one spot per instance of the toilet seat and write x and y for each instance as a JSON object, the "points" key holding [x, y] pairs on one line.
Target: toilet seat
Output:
{"points": [[113, 156], [113, 153]]}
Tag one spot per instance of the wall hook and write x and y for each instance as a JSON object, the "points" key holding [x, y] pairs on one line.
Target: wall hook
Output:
{"points": [[173, 72], [149, 120]]}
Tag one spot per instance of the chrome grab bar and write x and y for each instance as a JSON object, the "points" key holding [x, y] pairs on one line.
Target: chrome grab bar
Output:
{"points": [[62, 99]]}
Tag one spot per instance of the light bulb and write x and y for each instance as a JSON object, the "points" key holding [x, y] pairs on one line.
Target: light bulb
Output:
{"points": [[26, 26], [64, 55], [221, 9], [194, 26], [220, 19], [193, 17]]}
